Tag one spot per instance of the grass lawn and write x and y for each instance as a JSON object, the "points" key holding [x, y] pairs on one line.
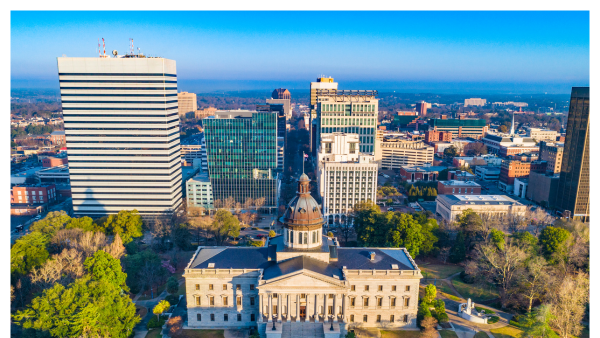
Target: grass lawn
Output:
{"points": [[481, 334], [448, 334], [439, 271], [203, 334], [154, 333], [400, 334], [476, 292], [506, 332]]}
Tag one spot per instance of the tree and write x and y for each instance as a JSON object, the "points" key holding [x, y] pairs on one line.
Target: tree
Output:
{"points": [[224, 225], [430, 294], [537, 323], [28, 252], [102, 266], [128, 224], [87, 307], [200, 227], [552, 241], [406, 232], [568, 301], [172, 285], [52, 223], [181, 236], [534, 280], [428, 325], [503, 129], [477, 149], [259, 203], [500, 266], [272, 234], [346, 228], [161, 307], [63, 268], [451, 152], [458, 252], [443, 175]]}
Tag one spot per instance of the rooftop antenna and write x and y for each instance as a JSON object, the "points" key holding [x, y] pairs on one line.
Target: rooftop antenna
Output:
{"points": [[103, 48], [131, 49], [99, 54], [138, 50]]}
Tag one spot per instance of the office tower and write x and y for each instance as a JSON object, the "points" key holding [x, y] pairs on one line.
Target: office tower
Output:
{"points": [[574, 184], [279, 109], [393, 153], [422, 108], [282, 96], [475, 102], [323, 85], [122, 133], [187, 103], [553, 154], [346, 177], [351, 112], [241, 148]]}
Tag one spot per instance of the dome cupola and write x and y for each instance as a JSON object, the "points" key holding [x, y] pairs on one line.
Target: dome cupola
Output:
{"points": [[303, 219]]}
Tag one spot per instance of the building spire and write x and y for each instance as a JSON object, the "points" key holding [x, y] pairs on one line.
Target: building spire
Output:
{"points": [[512, 126]]}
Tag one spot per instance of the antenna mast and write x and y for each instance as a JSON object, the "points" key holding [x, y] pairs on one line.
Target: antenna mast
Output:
{"points": [[131, 46], [99, 54], [103, 48]]}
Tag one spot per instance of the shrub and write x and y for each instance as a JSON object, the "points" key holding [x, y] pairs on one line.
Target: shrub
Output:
{"points": [[486, 311], [155, 323], [493, 319], [172, 285], [442, 318], [172, 299], [466, 278], [272, 234], [330, 234]]}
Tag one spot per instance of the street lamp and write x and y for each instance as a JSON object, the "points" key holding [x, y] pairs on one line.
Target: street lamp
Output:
{"points": [[274, 319], [331, 318]]}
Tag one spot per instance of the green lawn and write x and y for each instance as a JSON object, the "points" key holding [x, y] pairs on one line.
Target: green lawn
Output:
{"points": [[154, 333], [448, 334], [400, 334], [506, 332], [476, 292], [481, 334], [439, 271], [203, 334]]}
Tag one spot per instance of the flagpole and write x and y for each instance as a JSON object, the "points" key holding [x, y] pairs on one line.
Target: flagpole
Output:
{"points": [[303, 162]]}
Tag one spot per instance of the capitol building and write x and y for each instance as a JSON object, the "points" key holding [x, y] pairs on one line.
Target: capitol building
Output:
{"points": [[302, 282]]}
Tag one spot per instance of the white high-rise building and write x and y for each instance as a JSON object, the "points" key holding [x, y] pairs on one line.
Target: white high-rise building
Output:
{"points": [[122, 133], [346, 177]]}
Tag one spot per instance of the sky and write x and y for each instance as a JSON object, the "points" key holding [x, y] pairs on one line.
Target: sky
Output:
{"points": [[446, 52]]}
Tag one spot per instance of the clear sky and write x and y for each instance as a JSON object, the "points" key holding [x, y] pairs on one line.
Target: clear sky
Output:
{"points": [[408, 51]]}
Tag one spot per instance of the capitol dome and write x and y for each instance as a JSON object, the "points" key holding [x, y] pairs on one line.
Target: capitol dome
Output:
{"points": [[303, 219]]}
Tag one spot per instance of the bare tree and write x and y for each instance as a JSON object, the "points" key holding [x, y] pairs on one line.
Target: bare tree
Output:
{"points": [[228, 203], [238, 208], [64, 239], [116, 248], [346, 228], [199, 227], [534, 280], [259, 203], [248, 203], [568, 301], [196, 211], [150, 276], [539, 219], [444, 253], [89, 243], [500, 265], [516, 222]]}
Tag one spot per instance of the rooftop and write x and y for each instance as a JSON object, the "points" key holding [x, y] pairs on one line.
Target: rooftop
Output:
{"points": [[478, 200], [414, 168], [460, 183]]}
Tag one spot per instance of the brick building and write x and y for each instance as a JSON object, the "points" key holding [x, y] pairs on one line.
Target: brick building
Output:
{"points": [[460, 175], [436, 136], [553, 154], [512, 169], [425, 173], [33, 194], [58, 137], [515, 150], [458, 187], [50, 162], [206, 112]]}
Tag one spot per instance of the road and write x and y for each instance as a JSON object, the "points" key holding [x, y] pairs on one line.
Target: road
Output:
{"points": [[28, 220]]}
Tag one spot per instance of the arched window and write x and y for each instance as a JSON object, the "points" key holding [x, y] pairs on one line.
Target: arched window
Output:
{"points": [[306, 238], [314, 237]]}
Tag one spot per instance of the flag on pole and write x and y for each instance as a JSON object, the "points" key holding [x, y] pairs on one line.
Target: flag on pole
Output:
{"points": [[305, 157]]}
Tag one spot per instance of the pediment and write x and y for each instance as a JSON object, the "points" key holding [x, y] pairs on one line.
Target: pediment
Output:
{"points": [[304, 280]]}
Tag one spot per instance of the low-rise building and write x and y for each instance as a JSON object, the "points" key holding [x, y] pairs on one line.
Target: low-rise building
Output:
{"points": [[475, 102], [53, 161], [57, 137], [542, 134], [512, 169], [505, 144], [469, 161], [206, 112], [543, 187], [57, 175], [460, 175], [488, 173], [437, 136], [33, 194], [474, 128], [22, 209], [451, 206], [199, 192], [426, 173], [395, 152], [458, 187], [520, 187]]}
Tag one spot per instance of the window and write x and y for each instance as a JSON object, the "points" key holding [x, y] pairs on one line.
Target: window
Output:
{"points": [[392, 318], [197, 300], [379, 301], [366, 288], [239, 300], [212, 317], [224, 287], [251, 286], [380, 288], [406, 301], [331, 296], [352, 301], [239, 317], [225, 317], [197, 286], [393, 302], [365, 318], [393, 287], [274, 295], [352, 287], [238, 287], [252, 317], [210, 287], [225, 301], [407, 288], [366, 301], [303, 295], [379, 318], [405, 319], [198, 317], [351, 318], [251, 300], [330, 310], [212, 300]]}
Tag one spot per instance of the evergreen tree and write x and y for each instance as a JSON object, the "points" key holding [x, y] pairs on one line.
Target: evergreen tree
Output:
{"points": [[458, 251]]}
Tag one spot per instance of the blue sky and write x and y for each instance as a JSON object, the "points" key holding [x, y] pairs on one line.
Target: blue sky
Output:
{"points": [[445, 51]]}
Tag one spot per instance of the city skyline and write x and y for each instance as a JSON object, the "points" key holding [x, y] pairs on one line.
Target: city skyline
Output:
{"points": [[461, 52]]}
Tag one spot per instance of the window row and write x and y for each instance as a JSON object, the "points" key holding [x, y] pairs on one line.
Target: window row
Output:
{"points": [[224, 300], [380, 288], [378, 319], [238, 287], [226, 317], [379, 301]]}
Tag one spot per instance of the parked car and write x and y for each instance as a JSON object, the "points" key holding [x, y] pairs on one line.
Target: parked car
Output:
{"points": [[260, 236], [243, 228], [390, 209]]}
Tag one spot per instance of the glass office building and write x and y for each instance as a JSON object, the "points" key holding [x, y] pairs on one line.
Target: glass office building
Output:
{"points": [[574, 184], [241, 148]]}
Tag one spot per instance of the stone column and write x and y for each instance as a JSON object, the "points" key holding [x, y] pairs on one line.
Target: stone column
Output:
{"points": [[308, 312], [324, 307], [335, 305], [270, 312], [297, 307], [287, 309], [261, 309], [279, 304], [344, 306]]}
